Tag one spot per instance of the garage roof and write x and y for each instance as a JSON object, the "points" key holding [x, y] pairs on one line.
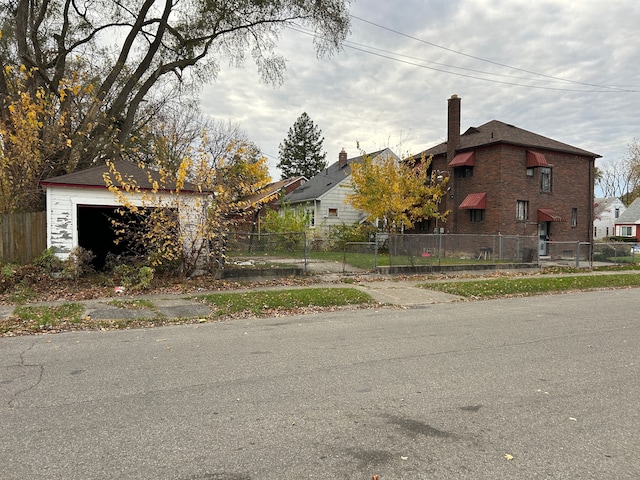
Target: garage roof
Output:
{"points": [[94, 177]]}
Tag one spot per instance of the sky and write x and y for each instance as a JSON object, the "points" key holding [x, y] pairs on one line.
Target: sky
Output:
{"points": [[565, 69]]}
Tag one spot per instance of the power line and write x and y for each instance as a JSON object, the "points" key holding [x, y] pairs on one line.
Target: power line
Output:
{"points": [[502, 82], [393, 56], [350, 43], [614, 89]]}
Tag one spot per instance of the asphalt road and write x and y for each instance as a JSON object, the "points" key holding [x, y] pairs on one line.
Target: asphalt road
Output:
{"points": [[541, 387]]}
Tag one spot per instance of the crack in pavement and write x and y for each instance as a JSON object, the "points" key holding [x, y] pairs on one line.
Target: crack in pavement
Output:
{"points": [[22, 363]]}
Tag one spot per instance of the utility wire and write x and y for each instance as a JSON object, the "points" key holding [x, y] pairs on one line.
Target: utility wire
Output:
{"points": [[501, 82], [393, 56], [614, 89]]}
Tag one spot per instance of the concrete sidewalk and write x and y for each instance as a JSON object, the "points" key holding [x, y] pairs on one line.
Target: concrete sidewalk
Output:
{"points": [[393, 292], [386, 292]]}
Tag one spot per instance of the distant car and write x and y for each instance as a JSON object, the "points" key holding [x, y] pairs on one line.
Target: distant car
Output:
{"points": [[635, 249]]}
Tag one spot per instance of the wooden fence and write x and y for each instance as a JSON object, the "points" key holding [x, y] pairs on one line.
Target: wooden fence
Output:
{"points": [[23, 236]]}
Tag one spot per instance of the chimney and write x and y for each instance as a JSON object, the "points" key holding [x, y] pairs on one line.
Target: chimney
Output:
{"points": [[342, 159], [453, 126]]}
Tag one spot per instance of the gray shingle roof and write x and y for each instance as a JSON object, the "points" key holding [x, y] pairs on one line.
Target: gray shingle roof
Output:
{"points": [[324, 181], [93, 177], [631, 214], [494, 132]]}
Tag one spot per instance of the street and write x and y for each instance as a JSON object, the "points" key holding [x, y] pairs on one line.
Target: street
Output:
{"points": [[520, 388]]}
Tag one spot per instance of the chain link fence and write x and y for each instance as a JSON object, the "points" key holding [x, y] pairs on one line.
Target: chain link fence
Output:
{"points": [[452, 249], [306, 253], [588, 255], [615, 253], [260, 250]]}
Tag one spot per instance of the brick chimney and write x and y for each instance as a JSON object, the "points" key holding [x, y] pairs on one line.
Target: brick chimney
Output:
{"points": [[342, 159], [453, 126]]}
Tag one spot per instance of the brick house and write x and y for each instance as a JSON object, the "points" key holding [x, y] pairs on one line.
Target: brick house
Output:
{"points": [[507, 180]]}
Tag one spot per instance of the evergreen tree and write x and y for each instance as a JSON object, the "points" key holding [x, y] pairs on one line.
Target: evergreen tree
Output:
{"points": [[301, 152]]}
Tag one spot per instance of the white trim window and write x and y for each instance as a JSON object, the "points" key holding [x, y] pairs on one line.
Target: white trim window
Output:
{"points": [[626, 231], [545, 179], [522, 210]]}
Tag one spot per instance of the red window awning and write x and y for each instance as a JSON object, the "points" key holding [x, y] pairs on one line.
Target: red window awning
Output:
{"points": [[535, 159], [466, 159], [549, 215], [474, 201]]}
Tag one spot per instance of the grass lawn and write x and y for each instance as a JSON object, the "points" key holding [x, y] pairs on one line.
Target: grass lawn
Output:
{"points": [[366, 261], [263, 302], [38, 318], [502, 287]]}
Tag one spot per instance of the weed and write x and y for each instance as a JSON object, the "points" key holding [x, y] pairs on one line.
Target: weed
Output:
{"points": [[22, 294], [139, 304]]}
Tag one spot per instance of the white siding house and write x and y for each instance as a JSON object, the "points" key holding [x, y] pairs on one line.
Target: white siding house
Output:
{"points": [[606, 212], [79, 206], [628, 224], [325, 195]]}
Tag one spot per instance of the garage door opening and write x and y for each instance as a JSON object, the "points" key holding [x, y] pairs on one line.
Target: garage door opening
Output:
{"points": [[96, 231]]}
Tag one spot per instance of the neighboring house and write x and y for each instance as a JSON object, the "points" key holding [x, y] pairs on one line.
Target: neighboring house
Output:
{"points": [[628, 224], [80, 208], [256, 206], [606, 212], [325, 195], [507, 180]]}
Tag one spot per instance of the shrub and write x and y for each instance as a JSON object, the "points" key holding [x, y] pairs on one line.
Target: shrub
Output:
{"points": [[48, 262], [78, 263], [7, 276], [342, 234], [133, 277]]}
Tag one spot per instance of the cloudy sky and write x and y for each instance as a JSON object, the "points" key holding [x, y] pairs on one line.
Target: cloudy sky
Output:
{"points": [[565, 69]]}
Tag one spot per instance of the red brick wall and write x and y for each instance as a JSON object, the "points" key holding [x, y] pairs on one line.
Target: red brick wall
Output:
{"points": [[501, 172]]}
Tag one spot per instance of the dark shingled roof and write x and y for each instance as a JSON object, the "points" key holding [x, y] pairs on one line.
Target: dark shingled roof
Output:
{"points": [[495, 132], [93, 177], [324, 181]]}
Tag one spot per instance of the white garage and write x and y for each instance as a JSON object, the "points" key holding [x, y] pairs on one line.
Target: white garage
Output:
{"points": [[80, 207]]}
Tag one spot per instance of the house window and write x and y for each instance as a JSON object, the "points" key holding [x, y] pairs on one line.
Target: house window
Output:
{"points": [[333, 212], [522, 210], [530, 172], [574, 217], [607, 231], [595, 232], [476, 215], [312, 217], [464, 172], [626, 231], [545, 179], [617, 213]]}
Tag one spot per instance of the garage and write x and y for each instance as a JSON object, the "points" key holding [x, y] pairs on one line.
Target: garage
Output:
{"points": [[80, 208]]}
